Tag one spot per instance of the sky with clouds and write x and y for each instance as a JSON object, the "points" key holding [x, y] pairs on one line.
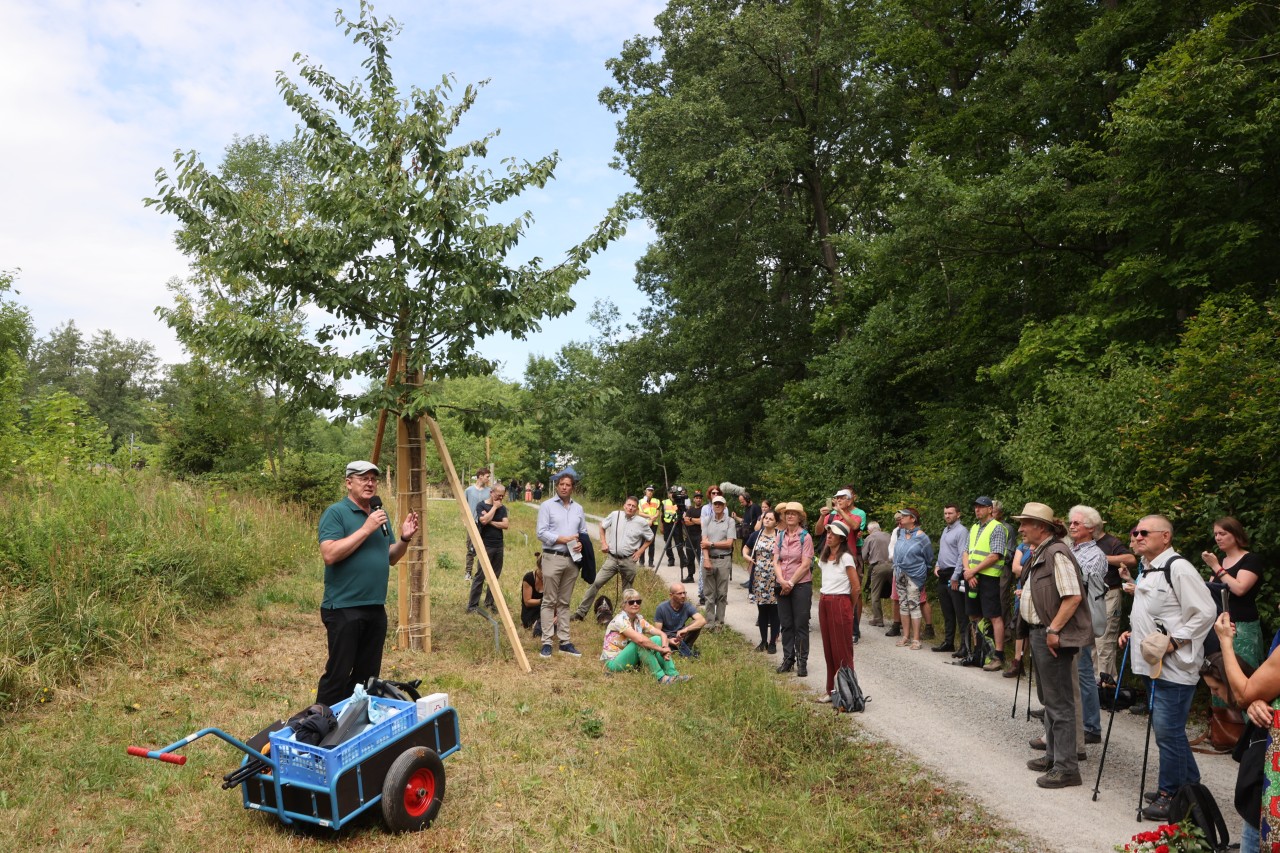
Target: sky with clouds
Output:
{"points": [[98, 95]]}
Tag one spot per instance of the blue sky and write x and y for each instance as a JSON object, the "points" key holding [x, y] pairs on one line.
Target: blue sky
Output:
{"points": [[96, 96]]}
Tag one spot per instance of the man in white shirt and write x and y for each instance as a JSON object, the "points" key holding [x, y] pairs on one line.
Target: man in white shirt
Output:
{"points": [[1172, 614]]}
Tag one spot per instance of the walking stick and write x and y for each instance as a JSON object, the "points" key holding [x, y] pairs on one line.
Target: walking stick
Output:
{"points": [[1102, 762], [1030, 662], [1142, 783], [1013, 712]]}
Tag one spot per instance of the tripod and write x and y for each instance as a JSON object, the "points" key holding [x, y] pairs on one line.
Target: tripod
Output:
{"points": [[684, 545]]}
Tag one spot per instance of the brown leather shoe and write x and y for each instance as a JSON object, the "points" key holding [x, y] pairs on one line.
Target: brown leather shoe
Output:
{"points": [[1015, 669]]}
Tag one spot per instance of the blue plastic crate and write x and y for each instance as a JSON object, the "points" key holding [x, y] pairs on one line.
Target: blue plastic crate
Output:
{"points": [[302, 762]]}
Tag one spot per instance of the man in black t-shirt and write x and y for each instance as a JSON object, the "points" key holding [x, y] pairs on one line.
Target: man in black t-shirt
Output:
{"points": [[491, 518], [1119, 557]]}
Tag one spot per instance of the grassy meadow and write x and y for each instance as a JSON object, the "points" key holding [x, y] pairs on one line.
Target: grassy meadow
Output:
{"points": [[563, 759]]}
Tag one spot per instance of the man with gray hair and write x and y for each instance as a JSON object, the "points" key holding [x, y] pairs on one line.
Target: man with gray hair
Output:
{"points": [[1120, 562], [1172, 614], [625, 535], [875, 555], [718, 533]]}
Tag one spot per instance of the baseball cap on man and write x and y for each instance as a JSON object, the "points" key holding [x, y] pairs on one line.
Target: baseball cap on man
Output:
{"points": [[843, 493], [983, 500], [718, 499], [361, 467]]}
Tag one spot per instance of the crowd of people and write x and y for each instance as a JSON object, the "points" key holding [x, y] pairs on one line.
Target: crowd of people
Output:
{"points": [[1051, 591]]}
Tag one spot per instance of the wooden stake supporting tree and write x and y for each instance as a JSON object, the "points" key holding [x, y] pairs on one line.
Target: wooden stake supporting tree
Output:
{"points": [[387, 240]]}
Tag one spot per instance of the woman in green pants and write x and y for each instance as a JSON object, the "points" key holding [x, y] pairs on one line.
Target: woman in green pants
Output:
{"points": [[630, 640]]}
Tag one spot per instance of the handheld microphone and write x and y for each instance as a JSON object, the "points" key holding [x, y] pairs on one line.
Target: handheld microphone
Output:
{"points": [[375, 504]]}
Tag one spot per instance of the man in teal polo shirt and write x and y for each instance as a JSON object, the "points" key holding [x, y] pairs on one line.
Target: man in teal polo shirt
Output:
{"points": [[359, 551]]}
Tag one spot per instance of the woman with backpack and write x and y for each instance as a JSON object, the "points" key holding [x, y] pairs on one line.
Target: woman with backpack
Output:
{"points": [[841, 589], [793, 568]]}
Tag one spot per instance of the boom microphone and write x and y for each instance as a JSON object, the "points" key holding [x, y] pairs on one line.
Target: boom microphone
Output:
{"points": [[732, 489], [375, 504]]}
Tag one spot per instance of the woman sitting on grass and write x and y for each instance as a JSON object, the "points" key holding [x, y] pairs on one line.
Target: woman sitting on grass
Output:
{"points": [[531, 598], [629, 640]]}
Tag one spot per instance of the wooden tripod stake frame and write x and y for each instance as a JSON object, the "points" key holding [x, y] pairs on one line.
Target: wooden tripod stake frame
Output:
{"points": [[414, 629]]}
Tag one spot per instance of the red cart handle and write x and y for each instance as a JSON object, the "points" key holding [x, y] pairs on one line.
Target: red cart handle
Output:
{"points": [[171, 757]]}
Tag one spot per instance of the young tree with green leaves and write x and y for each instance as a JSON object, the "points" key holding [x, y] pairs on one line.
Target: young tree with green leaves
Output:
{"points": [[391, 238]]}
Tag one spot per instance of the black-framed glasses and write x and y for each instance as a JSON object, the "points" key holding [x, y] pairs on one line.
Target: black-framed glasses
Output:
{"points": [[634, 601], [1142, 534]]}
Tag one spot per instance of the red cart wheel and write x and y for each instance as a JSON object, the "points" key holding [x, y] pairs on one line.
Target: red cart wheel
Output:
{"points": [[413, 790]]}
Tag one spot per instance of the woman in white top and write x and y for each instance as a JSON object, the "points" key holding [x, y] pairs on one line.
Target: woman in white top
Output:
{"points": [[840, 590]]}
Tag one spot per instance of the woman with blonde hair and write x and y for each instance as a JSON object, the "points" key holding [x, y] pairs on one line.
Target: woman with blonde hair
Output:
{"points": [[793, 569], [631, 640]]}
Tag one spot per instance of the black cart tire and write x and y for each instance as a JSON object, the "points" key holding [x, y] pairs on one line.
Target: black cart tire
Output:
{"points": [[413, 791]]}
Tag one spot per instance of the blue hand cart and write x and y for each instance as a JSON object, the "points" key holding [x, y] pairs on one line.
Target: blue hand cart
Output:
{"points": [[397, 763]]}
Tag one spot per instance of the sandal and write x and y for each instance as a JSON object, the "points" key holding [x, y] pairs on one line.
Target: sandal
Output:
{"points": [[915, 647], [683, 678], [904, 641], [667, 679]]}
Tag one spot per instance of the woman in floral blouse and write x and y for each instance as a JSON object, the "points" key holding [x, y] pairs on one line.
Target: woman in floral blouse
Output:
{"points": [[630, 639], [763, 586]]}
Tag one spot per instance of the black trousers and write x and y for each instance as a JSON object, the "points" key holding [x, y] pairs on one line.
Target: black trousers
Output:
{"points": [[477, 580], [793, 614], [356, 636]]}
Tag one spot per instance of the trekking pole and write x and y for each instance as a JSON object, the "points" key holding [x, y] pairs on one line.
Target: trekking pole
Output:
{"points": [[1031, 675], [1142, 783], [1013, 712], [1115, 698]]}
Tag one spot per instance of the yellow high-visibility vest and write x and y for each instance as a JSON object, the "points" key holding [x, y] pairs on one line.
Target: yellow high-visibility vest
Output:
{"points": [[980, 548]]}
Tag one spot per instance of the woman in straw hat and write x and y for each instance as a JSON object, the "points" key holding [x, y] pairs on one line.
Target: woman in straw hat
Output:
{"points": [[793, 568]]}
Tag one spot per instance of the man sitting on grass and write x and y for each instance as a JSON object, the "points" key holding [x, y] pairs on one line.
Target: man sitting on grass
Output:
{"points": [[680, 620]]}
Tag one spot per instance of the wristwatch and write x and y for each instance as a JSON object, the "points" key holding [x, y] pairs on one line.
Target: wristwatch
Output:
{"points": [[1053, 630]]}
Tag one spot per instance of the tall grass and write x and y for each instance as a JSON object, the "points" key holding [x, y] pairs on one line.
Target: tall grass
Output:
{"points": [[95, 564]]}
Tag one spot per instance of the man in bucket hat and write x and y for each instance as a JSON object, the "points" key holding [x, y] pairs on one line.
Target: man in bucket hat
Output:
{"points": [[1172, 613], [1052, 591]]}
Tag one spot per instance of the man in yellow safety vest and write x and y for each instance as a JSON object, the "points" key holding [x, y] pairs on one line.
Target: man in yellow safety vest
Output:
{"points": [[650, 508], [983, 564]]}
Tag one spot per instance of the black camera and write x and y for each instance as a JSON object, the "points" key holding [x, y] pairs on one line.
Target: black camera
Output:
{"points": [[679, 496]]}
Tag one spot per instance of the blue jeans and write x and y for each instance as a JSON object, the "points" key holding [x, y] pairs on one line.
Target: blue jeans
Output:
{"points": [[1171, 704], [1090, 709], [1249, 838]]}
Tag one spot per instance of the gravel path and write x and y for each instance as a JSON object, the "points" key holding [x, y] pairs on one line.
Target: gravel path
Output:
{"points": [[956, 721]]}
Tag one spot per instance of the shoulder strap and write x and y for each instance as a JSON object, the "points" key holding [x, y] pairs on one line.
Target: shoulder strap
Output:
{"points": [[1167, 571]]}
